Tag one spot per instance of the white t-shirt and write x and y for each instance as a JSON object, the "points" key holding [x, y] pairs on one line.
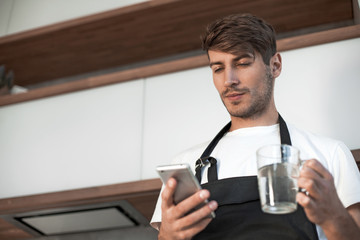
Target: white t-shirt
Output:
{"points": [[236, 156]]}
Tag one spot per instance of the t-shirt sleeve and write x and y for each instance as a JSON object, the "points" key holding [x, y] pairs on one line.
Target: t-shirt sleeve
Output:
{"points": [[346, 175], [156, 217]]}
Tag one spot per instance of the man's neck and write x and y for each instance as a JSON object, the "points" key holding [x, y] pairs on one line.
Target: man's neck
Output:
{"points": [[266, 119]]}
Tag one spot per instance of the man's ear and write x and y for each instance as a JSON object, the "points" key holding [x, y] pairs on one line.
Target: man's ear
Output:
{"points": [[275, 65]]}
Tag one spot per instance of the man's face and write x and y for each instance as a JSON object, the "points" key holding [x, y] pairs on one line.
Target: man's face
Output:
{"points": [[244, 82]]}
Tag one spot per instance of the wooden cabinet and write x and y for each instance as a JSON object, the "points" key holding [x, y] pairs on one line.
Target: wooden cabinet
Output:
{"points": [[141, 35]]}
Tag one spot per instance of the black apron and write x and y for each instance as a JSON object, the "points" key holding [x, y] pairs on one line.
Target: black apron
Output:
{"points": [[239, 214]]}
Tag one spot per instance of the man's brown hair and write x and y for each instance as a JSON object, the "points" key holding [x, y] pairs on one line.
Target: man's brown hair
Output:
{"points": [[241, 33]]}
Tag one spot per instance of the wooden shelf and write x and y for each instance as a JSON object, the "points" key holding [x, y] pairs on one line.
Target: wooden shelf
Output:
{"points": [[147, 31], [129, 190], [173, 66]]}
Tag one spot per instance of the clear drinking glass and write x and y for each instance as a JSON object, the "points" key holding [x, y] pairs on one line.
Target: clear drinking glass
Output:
{"points": [[278, 170]]}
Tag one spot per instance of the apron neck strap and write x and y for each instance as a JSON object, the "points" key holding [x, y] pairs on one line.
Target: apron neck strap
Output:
{"points": [[284, 132], [206, 158]]}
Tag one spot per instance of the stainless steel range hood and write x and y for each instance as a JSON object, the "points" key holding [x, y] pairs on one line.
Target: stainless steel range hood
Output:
{"points": [[88, 218]]}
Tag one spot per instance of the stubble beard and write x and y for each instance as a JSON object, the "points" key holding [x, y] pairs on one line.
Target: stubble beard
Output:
{"points": [[259, 102]]}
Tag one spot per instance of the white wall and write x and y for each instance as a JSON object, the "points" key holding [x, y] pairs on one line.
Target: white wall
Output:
{"points": [[75, 140], [5, 12], [319, 90], [25, 15]]}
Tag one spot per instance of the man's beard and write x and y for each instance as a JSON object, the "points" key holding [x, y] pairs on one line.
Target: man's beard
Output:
{"points": [[260, 99]]}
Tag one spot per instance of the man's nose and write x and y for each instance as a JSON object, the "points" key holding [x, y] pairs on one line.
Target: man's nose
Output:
{"points": [[231, 78]]}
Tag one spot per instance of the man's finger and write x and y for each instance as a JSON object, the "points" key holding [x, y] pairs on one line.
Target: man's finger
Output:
{"points": [[318, 167], [194, 229], [201, 213], [310, 187], [198, 227], [168, 192], [305, 201], [191, 202]]}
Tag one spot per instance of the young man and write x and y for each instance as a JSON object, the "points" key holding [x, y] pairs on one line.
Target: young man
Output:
{"points": [[245, 63]]}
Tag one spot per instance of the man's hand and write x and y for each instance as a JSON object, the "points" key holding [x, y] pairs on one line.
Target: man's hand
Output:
{"points": [[175, 224], [322, 201], [322, 204]]}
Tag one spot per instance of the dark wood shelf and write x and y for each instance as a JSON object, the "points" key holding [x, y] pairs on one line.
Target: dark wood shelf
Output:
{"points": [[173, 66], [133, 191], [148, 31]]}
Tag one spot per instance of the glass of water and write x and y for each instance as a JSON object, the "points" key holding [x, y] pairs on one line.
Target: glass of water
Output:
{"points": [[278, 170]]}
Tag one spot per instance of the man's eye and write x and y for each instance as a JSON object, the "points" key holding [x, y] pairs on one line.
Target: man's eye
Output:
{"points": [[216, 70], [242, 64]]}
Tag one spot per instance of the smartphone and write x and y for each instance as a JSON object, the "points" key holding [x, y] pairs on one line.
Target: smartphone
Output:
{"points": [[187, 184]]}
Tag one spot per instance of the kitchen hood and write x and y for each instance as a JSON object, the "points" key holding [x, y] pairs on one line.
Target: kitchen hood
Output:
{"points": [[84, 218]]}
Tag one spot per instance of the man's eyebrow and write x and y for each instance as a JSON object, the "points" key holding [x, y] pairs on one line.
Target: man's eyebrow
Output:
{"points": [[245, 55], [237, 58], [216, 63]]}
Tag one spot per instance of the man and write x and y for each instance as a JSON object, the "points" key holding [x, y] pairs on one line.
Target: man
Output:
{"points": [[244, 62]]}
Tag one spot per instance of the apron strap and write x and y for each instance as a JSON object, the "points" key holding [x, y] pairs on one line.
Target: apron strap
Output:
{"points": [[284, 132], [212, 171], [215, 141], [206, 158]]}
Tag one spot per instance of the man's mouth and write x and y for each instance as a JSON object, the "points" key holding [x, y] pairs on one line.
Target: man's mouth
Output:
{"points": [[234, 95]]}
